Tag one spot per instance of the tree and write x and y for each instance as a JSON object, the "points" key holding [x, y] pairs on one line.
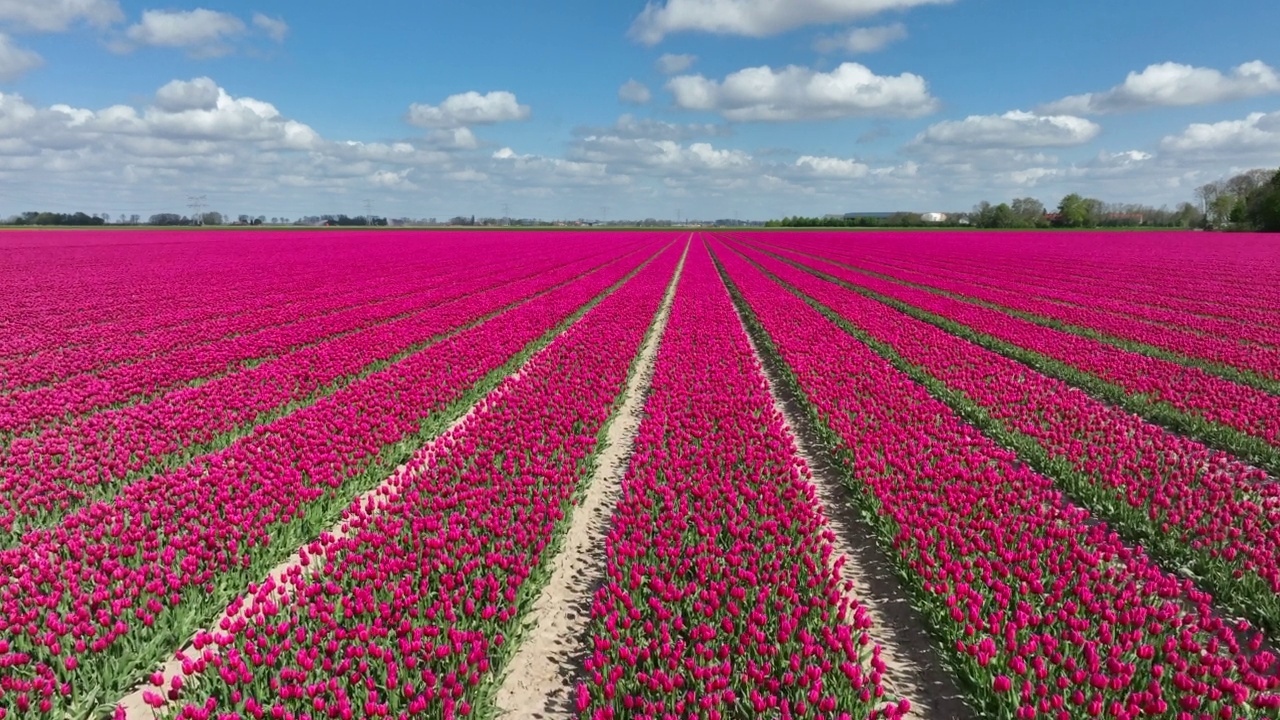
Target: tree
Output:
{"points": [[1071, 211], [1188, 215], [1076, 211], [211, 218], [1263, 211], [1220, 209], [1029, 212], [1206, 194]]}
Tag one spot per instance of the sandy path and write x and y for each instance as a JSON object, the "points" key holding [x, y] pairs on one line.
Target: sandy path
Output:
{"points": [[541, 676], [914, 669], [136, 707]]}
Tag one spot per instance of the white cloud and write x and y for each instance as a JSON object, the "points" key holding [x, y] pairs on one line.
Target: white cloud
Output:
{"points": [[275, 28], [202, 33], [16, 61], [798, 93], [398, 180], [1128, 157], [180, 95], [833, 167], [634, 92], [1014, 129], [1174, 85], [1256, 136], [754, 18], [188, 119], [630, 126], [58, 15], [469, 108], [460, 138], [671, 64], [862, 39], [536, 170], [636, 154]]}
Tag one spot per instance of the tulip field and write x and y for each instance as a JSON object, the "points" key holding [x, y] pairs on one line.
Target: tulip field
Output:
{"points": [[931, 474]]}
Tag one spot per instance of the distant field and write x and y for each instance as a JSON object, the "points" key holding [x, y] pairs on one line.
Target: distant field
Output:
{"points": [[638, 473]]}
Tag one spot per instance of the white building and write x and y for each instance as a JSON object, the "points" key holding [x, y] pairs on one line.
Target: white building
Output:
{"points": [[934, 217]]}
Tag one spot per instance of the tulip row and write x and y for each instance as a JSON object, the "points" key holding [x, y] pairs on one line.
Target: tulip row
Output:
{"points": [[415, 607], [1247, 364], [1231, 277], [1240, 419], [1058, 296], [328, 290], [58, 288], [87, 606], [43, 478], [111, 292], [720, 598], [1195, 508], [1094, 316], [130, 338], [1043, 611], [24, 412]]}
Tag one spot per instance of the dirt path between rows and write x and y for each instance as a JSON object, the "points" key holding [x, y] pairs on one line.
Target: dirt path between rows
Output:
{"points": [[135, 705], [540, 679], [914, 669]]}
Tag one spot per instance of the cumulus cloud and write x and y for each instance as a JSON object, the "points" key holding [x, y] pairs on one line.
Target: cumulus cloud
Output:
{"points": [[180, 95], [1109, 164], [188, 117], [58, 15], [671, 64], [754, 18], [459, 138], [798, 93], [836, 168], [1014, 129], [202, 33], [16, 61], [541, 171], [862, 39], [668, 155], [1256, 135], [468, 109], [275, 28], [1173, 85], [832, 166], [196, 136], [630, 126], [634, 92]]}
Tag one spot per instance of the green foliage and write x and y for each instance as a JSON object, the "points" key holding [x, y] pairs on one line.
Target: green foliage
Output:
{"points": [[52, 218], [1262, 209], [902, 219]]}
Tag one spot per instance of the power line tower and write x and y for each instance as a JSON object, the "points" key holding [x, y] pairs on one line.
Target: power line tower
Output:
{"points": [[506, 214], [197, 205], [604, 214], [368, 212]]}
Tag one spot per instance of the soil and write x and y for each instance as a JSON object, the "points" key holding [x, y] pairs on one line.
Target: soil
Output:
{"points": [[543, 674]]}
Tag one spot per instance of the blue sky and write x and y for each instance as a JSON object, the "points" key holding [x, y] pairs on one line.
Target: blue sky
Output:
{"points": [[758, 108]]}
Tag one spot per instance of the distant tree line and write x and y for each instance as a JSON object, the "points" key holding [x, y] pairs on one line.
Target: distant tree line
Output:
{"points": [[1249, 201], [902, 219], [1075, 211], [52, 218]]}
